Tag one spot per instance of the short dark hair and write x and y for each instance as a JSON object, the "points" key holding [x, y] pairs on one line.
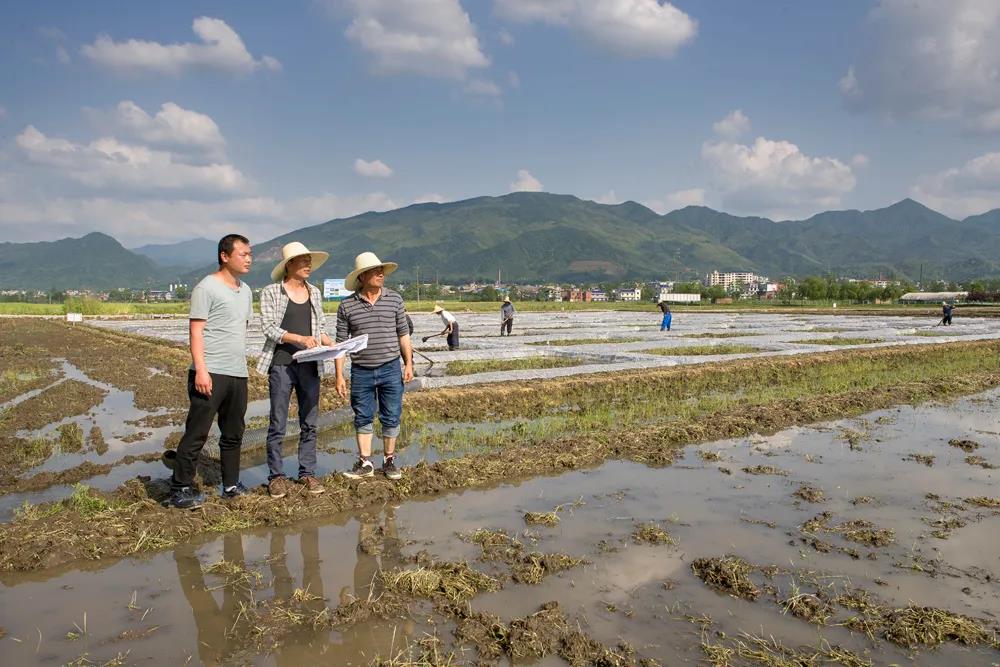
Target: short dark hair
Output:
{"points": [[227, 243]]}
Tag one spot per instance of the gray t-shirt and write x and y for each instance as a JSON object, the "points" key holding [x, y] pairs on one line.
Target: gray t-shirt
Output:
{"points": [[226, 312]]}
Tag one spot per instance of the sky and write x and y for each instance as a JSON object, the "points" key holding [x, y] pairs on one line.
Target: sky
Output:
{"points": [[159, 122]]}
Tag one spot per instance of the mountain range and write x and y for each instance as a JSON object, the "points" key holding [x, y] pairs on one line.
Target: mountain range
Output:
{"points": [[541, 237]]}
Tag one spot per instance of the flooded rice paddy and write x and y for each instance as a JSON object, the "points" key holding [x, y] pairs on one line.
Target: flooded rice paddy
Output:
{"points": [[869, 540], [202, 601]]}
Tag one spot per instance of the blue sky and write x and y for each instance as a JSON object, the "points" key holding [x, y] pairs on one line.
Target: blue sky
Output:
{"points": [[157, 122]]}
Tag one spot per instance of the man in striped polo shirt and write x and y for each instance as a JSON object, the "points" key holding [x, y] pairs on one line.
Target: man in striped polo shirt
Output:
{"points": [[376, 380]]}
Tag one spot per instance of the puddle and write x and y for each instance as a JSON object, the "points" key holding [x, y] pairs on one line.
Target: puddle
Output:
{"points": [[167, 609]]}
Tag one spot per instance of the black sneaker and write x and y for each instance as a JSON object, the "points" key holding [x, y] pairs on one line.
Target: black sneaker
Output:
{"points": [[362, 468], [186, 498], [390, 470], [236, 491]]}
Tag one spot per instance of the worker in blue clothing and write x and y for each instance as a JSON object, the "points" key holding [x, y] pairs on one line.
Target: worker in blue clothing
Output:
{"points": [[667, 316]]}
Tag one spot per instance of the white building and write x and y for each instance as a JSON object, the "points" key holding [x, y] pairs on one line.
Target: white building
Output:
{"points": [[678, 297], [628, 294], [730, 279]]}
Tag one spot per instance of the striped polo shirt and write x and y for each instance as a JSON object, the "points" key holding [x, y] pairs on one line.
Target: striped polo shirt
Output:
{"points": [[384, 322]]}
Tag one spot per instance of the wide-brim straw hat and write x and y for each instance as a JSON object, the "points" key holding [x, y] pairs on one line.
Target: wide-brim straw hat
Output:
{"points": [[364, 262], [437, 309], [506, 299], [295, 249]]}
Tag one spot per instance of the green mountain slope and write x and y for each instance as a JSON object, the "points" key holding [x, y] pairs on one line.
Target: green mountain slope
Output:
{"points": [[96, 261]]}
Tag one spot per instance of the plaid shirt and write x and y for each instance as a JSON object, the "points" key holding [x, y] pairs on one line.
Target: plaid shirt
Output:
{"points": [[273, 303]]}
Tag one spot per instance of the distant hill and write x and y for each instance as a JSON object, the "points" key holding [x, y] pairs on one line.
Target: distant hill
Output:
{"points": [[96, 261], [541, 237], [184, 255], [532, 236]]}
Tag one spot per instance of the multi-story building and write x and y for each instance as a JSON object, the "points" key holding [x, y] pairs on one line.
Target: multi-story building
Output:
{"points": [[597, 294], [628, 293], [730, 279]]}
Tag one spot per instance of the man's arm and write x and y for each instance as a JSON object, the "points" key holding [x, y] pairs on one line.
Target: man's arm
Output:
{"points": [[343, 333], [406, 349], [202, 379]]}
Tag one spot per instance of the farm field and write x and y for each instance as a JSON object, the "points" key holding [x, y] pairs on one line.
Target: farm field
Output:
{"points": [[805, 501]]}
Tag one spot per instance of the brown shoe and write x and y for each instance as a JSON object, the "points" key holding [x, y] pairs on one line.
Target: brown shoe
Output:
{"points": [[277, 487], [312, 485]]}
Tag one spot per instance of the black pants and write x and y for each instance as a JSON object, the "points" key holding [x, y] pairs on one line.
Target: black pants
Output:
{"points": [[229, 401], [453, 337], [507, 324]]}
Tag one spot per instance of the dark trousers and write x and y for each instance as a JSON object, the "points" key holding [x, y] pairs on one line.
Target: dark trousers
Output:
{"points": [[229, 401], [453, 337], [304, 379], [507, 325]]}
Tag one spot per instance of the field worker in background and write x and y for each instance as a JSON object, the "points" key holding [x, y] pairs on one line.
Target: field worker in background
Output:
{"points": [[376, 379], [506, 316], [450, 327], [292, 319], [946, 309], [667, 316], [221, 308]]}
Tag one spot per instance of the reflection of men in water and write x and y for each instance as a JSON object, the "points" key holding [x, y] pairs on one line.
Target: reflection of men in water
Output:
{"points": [[379, 548], [300, 644], [213, 622]]}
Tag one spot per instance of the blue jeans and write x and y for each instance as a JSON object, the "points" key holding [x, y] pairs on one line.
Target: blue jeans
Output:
{"points": [[381, 386], [304, 378], [665, 324]]}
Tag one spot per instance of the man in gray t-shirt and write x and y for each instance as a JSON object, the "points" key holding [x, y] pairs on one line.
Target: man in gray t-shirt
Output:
{"points": [[221, 306]]}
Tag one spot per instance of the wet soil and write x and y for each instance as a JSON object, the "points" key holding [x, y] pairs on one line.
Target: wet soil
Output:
{"points": [[316, 592]]}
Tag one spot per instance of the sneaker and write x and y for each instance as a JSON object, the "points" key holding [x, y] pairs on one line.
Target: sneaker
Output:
{"points": [[312, 485], [390, 470], [277, 487], [186, 498], [235, 491], [362, 468]]}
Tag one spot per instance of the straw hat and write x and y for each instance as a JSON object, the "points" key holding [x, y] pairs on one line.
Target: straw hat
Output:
{"points": [[506, 299], [437, 309], [295, 249], [362, 263]]}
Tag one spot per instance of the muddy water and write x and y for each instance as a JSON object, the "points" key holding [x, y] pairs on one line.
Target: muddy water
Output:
{"points": [[641, 594]]}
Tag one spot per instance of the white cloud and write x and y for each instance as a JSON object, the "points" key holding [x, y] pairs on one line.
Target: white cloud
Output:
{"points": [[631, 28], [483, 87], [430, 198], [609, 197], [860, 161], [678, 199], [107, 163], [220, 48], [525, 182], [932, 59], [172, 126], [427, 37], [969, 189], [373, 169], [734, 125], [505, 37], [775, 177]]}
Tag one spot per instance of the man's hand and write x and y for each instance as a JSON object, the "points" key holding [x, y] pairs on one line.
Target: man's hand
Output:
{"points": [[307, 342], [341, 386], [203, 383], [408, 372]]}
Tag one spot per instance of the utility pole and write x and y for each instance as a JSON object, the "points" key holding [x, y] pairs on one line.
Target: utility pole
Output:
{"points": [[418, 284]]}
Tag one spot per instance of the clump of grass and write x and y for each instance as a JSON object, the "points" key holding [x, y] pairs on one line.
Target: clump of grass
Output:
{"points": [[491, 538], [425, 652], [586, 341], [865, 532], [709, 456], [926, 459], [967, 446], [96, 441], [983, 501], [701, 350], [70, 438], [728, 574], [928, 626], [532, 567], [650, 533], [734, 334], [472, 366], [541, 518], [810, 494], [764, 470], [235, 574], [808, 607], [85, 502], [841, 340], [977, 460], [455, 582]]}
